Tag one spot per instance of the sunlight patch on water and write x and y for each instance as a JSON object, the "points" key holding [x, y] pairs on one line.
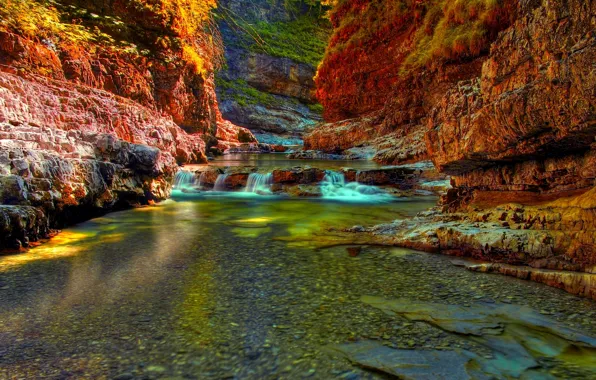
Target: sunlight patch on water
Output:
{"points": [[65, 244]]}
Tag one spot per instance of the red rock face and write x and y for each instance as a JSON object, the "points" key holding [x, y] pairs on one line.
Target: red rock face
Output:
{"points": [[368, 75], [528, 125], [48, 104], [359, 79]]}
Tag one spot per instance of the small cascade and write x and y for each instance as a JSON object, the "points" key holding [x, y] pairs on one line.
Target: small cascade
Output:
{"points": [[334, 187], [259, 183], [220, 183], [334, 178], [201, 180], [184, 180]]}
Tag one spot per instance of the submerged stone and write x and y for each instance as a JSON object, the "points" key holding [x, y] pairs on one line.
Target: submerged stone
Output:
{"points": [[408, 364], [518, 337]]}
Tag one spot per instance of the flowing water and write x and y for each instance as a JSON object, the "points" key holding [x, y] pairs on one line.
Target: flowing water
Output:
{"points": [[220, 183], [335, 187], [281, 160], [259, 183], [245, 286]]}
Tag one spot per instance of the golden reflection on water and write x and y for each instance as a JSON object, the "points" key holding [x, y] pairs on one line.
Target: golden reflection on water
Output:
{"points": [[62, 245]]}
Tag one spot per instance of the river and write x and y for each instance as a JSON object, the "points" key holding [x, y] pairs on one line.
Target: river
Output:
{"points": [[257, 287]]}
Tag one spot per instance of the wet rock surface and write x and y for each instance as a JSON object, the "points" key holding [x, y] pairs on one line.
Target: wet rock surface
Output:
{"points": [[43, 190]]}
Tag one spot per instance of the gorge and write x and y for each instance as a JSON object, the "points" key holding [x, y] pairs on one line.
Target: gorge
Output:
{"points": [[297, 189]]}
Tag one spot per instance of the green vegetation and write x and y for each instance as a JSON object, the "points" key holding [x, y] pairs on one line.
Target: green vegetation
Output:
{"points": [[316, 108], [445, 29], [458, 28], [244, 94], [302, 40], [42, 19]]}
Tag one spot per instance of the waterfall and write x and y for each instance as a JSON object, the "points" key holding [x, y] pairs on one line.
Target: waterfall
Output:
{"points": [[184, 180], [220, 182], [201, 179], [259, 183], [334, 178], [334, 187]]}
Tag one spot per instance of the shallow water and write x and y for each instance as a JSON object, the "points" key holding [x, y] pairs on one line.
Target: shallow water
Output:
{"points": [[281, 160], [241, 287]]}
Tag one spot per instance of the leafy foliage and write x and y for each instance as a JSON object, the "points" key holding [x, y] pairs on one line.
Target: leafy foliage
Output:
{"points": [[40, 20], [182, 27]]}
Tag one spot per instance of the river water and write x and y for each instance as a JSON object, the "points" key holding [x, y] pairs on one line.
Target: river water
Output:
{"points": [[258, 287]]}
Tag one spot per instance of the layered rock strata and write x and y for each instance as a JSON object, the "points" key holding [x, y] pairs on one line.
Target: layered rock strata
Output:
{"points": [[375, 90]]}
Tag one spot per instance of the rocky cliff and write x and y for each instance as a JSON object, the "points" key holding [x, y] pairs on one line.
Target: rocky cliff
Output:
{"points": [[99, 103], [272, 49], [510, 116], [389, 63]]}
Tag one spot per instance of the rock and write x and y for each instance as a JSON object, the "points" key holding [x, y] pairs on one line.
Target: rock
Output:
{"points": [[557, 235], [269, 94], [124, 376], [57, 105], [522, 108], [506, 330], [423, 364], [354, 251], [583, 284]]}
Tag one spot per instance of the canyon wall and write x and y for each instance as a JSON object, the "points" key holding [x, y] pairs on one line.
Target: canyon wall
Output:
{"points": [[389, 63], [272, 49], [99, 104], [511, 116]]}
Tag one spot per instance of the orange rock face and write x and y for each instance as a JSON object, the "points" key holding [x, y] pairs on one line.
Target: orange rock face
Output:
{"points": [[528, 125], [49, 105], [368, 79]]}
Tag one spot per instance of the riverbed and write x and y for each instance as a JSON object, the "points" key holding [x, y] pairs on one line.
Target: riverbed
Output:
{"points": [[247, 286]]}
